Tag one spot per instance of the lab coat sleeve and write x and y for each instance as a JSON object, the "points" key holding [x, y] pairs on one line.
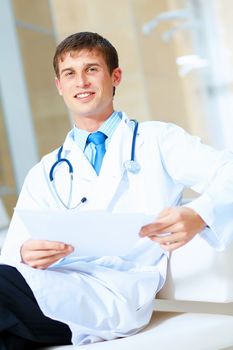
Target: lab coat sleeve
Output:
{"points": [[17, 233], [208, 172]]}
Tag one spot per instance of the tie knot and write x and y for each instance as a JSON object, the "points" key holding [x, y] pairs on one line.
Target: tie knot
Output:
{"points": [[97, 138]]}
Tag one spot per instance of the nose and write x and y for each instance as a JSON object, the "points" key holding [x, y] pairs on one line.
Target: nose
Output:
{"points": [[82, 80]]}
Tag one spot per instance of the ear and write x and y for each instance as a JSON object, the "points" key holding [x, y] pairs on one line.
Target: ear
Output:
{"points": [[116, 76], [58, 85]]}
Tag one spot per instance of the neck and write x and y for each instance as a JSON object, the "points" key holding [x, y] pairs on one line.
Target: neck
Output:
{"points": [[91, 124]]}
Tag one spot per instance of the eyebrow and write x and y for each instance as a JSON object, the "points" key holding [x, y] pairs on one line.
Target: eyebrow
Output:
{"points": [[87, 65], [93, 64]]}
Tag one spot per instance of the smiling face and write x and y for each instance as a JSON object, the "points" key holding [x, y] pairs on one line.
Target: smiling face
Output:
{"points": [[86, 86]]}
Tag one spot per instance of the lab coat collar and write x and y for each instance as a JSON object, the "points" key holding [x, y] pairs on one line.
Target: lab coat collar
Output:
{"points": [[125, 121], [69, 141]]}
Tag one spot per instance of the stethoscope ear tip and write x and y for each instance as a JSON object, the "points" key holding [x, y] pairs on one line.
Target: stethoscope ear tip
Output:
{"points": [[132, 166]]}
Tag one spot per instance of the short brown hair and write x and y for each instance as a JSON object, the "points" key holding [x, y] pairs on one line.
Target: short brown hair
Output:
{"points": [[89, 41]]}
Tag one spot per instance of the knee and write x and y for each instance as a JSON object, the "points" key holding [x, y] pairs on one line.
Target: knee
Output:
{"points": [[12, 284], [6, 270], [7, 276]]}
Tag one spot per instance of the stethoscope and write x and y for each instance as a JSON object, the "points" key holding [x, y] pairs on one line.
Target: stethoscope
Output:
{"points": [[130, 165]]}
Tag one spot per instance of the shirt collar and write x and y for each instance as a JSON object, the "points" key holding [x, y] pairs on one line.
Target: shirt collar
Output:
{"points": [[108, 128]]}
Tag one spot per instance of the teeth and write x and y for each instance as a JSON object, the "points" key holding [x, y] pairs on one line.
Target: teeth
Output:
{"points": [[83, 95]]}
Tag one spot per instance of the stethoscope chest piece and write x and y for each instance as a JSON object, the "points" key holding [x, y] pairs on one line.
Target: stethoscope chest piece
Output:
{"points": [[132, 166]]}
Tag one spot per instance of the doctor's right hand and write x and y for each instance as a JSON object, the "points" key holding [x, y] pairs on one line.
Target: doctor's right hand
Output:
{"points": [[40, 254]]}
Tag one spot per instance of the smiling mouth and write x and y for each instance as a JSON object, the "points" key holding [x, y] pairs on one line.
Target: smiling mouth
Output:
{"points": [[83, 95]]}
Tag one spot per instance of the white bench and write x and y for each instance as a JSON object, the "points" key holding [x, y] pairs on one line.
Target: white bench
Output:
{"points": [[200, 284]]}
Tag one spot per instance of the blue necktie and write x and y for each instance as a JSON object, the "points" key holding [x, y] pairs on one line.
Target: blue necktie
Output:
{"points": [[98, 138]]}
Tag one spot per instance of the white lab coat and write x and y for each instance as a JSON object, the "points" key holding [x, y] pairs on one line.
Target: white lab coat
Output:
{"points": [[107, 297]]}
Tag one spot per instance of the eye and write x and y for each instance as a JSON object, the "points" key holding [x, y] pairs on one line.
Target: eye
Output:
{"points": [[92, 69], [69, 73]]}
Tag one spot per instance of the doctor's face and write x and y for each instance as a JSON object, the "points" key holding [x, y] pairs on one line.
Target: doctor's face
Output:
{"points": [[86, 86]]}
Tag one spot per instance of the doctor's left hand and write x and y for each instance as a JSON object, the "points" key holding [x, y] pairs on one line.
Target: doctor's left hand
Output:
{"points": [[40, 254], [174, 227]]}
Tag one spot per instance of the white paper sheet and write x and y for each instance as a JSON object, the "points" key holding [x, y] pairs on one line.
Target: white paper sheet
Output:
{"points": [[91, 233]]}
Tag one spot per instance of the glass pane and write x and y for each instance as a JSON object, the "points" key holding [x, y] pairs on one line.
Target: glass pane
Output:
{"points": [[8, 194]]}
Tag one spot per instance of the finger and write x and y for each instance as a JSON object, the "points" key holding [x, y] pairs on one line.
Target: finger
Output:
{"points": [[45, 262], [173, 215], [41, 254], [172, 246], [169, 239], [164, 223], [34, 244], [155, 230]]}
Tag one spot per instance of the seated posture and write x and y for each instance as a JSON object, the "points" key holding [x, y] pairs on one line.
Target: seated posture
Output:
{"points": [[113, 164]]}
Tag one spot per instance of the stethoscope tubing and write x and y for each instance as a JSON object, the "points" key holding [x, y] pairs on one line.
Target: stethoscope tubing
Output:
{"points": [[133, 147], [58, 161]]}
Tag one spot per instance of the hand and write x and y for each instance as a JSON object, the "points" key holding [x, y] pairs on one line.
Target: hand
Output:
{"points": [[41, 254], [180, 224]]}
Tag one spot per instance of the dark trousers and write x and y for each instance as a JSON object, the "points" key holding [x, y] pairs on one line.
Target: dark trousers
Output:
{"points": [[22, 324]]}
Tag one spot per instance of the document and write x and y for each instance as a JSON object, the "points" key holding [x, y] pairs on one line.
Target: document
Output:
{"points": [[91, 233]]}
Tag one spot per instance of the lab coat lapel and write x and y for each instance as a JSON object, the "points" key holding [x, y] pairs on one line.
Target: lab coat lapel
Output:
{"points": [[82, 168], [113, 168]]}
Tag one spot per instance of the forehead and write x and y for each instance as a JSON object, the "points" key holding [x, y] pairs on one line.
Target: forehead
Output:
{"points": [[81, 57]]}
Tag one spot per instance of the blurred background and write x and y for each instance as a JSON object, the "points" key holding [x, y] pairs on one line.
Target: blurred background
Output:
{"points": [[176, 55]]}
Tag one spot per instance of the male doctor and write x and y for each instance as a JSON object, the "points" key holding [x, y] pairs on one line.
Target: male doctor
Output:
{"points": [[50, 297]]}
